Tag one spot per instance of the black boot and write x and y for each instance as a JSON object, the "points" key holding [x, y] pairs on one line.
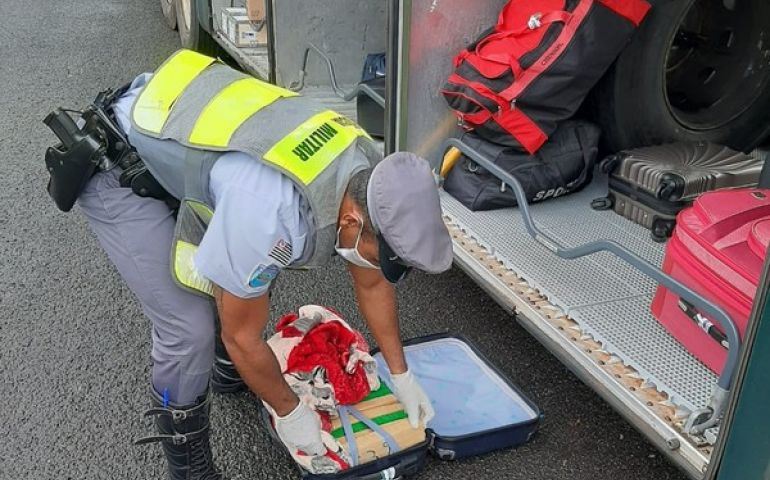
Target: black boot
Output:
{"points": [[224, 377], [184, 434]]}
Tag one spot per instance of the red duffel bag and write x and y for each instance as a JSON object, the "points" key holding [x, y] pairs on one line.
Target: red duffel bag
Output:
{"points": [[535, 67]]}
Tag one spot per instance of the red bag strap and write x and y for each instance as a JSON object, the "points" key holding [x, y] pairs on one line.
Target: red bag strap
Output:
{"points": [[552, 54], [471, 118], [523, 129], [535, 22], [460, 58], [477, 118], [481, 89], [503, 59], [515, 122]]}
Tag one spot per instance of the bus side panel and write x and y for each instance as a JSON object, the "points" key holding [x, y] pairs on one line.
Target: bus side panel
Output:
{"points": [[435, 31], [344, 29]]}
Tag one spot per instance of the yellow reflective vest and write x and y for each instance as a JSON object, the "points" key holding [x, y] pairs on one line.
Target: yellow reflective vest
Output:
{"points": [[211, 108]]}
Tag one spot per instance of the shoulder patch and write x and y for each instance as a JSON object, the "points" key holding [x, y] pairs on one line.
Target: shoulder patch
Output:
{"points": [[263, 275], [281, 253]]}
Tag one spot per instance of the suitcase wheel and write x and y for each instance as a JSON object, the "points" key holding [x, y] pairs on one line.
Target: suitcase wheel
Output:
{"points": [[671, 188], [603, 203], [661, 230], [610, 164]]}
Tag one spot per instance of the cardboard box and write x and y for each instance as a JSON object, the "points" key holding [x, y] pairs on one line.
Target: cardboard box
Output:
{"points": [[383, 405], [243, 32], [255, 10], [226, 13]]}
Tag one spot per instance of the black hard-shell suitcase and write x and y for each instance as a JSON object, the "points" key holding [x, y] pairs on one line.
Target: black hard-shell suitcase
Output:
{"points": [[478, 410], [651, 185]]}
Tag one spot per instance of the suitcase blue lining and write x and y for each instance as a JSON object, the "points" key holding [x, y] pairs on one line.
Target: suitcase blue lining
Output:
{"points": [[468, 395]]}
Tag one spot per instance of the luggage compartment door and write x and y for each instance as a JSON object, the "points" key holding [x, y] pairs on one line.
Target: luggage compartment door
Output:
{"points": [[427, 36]]}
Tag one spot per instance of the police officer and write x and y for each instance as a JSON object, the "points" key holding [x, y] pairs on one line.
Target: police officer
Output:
{"points": [[267, 180]]}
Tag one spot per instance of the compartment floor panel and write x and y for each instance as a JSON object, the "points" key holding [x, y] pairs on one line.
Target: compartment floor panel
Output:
{"points": [[607, 297]]}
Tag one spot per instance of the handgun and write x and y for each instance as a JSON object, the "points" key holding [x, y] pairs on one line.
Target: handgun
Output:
{"points": [[72, 162]]}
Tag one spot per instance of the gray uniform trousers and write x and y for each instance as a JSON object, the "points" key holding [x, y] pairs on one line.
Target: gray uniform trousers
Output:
{"points": [[137, 234]]}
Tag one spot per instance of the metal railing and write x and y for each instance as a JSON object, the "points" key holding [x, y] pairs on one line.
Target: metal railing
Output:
{"points": [[299, 84], [701, 419]]}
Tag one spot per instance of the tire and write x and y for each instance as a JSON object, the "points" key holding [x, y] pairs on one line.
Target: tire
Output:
{"points": [[191, 33], [168, 7], [694, 71]]}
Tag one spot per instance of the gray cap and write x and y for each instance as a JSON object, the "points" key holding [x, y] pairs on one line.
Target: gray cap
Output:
{"points": [[405, 210]]}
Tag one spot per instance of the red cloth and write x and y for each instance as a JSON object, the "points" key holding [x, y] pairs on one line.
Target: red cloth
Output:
{"points": [[328, 345], [284, 326]]}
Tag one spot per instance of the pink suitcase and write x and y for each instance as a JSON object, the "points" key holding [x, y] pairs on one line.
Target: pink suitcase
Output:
{"points": [[717, 249]]}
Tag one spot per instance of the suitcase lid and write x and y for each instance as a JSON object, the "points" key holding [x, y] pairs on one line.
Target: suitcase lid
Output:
{"points": [[471, 397], [731, 226], [682, 171]]}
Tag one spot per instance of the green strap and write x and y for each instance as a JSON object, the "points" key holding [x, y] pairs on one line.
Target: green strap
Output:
{"points": [[359, 426], [380, 392], [381, 420]]}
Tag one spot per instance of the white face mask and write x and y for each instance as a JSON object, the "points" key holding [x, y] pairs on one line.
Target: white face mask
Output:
{"points": [[351, 254]]}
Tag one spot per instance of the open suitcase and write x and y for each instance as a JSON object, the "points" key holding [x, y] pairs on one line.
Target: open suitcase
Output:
{"points": [[718, 249], [478, 410], [651, 185]]}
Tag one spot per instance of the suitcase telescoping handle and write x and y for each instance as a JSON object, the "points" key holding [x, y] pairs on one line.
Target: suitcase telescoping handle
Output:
{"points": [[701, 419]]}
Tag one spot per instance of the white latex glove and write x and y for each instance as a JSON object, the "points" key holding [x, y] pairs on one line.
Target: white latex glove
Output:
{"points": [[301, 429], [413, 398]]}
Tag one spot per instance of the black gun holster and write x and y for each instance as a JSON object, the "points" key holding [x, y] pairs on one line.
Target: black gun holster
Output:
{"points": [[96, 144]]}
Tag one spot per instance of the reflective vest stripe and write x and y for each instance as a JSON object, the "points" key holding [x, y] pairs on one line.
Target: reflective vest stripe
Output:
{"points": [[153, 106], [232, 106], [203, 211], [191, 226], [314, 145], [185, 271]]}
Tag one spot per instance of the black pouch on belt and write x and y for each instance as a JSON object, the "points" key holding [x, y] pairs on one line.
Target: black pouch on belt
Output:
{"points": [[136, 177]]}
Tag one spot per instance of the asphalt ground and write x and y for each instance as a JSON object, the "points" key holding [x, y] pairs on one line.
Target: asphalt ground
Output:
{"points": [[74, 347]]}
